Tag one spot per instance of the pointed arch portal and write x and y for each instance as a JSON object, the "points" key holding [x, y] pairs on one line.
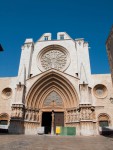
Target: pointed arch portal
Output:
{"points": [[52, 94], [52, 83]]}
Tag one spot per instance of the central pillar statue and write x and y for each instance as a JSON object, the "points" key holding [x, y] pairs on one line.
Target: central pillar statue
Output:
{"points": [[52, 123]]}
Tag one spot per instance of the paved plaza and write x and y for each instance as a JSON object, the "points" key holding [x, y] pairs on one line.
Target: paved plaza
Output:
{"points": [[28, 142]]}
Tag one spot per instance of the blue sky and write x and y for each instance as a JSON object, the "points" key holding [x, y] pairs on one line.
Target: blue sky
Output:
{"points": [[21, 19]]}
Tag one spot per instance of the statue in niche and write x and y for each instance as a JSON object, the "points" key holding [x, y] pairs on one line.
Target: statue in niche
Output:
{"points": [[39, 116], [26, 116], [68, 117], [75, 116], [35, 117]]}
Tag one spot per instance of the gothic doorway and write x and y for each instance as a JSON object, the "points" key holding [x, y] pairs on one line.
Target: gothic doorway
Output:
{"points": [[51, 92], [46, 121], [47, 118]]}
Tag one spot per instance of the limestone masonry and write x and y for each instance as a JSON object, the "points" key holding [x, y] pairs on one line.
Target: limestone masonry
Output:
{"points": [[55, 87], [109, 47]]}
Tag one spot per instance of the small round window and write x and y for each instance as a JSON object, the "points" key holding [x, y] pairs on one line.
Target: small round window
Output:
{"points": [[7, 93], [100, 91]]}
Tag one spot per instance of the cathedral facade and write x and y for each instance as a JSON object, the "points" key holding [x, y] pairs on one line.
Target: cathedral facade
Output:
{"points": [[55, 87]]}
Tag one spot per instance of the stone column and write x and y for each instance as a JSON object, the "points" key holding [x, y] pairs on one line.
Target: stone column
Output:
{"points": [[52, 124]]}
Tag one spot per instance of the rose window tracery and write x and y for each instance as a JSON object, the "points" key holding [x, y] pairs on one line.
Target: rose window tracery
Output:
{"points": [[54, 59]]}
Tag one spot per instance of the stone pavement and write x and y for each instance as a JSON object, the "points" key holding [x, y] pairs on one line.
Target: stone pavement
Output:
{"points": [[35, 142]]}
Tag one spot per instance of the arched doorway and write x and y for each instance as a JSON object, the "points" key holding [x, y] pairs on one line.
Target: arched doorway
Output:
{"points": [[104, 123], [103, 120], [53, 115], [52, 93]]}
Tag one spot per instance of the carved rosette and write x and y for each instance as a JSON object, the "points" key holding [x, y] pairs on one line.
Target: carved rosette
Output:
{"points": [[54, 59]]}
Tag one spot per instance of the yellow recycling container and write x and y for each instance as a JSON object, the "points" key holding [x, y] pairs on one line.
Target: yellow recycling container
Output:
{"points": [[58, 129]]}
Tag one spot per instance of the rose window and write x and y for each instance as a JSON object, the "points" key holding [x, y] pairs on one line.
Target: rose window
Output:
{"points": [[7, 93], [53, 59], [100, 91]]}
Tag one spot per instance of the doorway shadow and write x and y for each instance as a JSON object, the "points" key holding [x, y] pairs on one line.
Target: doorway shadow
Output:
{"points": [[107, 132], [46, 122]]}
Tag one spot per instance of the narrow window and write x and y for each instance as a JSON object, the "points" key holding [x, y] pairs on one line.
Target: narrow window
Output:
{"points": [[46, 38], [61, 37]]}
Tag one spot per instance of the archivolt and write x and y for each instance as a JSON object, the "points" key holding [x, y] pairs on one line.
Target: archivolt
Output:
{"points": [[51, 81]]}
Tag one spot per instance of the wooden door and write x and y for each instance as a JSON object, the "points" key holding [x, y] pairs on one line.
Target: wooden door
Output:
{"points": [[59, 119]]}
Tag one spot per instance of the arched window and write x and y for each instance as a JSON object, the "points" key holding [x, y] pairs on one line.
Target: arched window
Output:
{"points": [[103, 120], [4, 119]]}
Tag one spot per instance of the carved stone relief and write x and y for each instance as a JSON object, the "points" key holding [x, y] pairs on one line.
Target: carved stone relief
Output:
{"points": [[85, 113], [53, 99], [17, 111], [32, 115], [53, 59]]}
